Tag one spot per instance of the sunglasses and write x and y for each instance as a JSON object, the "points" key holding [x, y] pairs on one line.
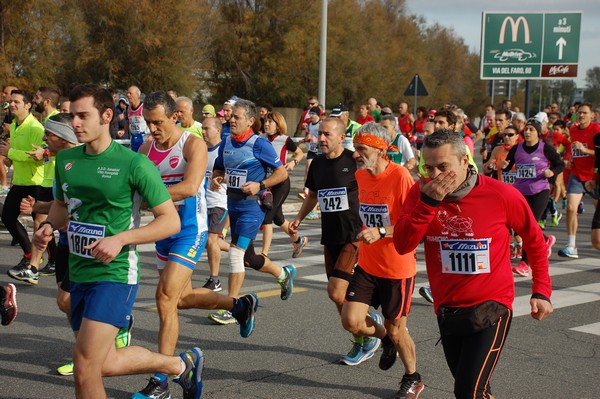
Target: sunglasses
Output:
{"points": [[312, 104], [206, 113], [509, 134]]}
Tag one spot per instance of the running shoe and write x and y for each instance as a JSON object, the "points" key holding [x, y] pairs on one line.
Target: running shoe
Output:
{"points": [[542, 224], [356, 355], [522, 269], [213, 284], [287, 284], [66, 369], [580, 209], [244, 311], [568, 252], [389, 354], [191, 379], [302, 195], [8, 303], [24, 273], [312, 215], [556, 216], [154, 390], [426, 293], [550, 240], [371, 344], [49, 269], [123, 338], [410, 388], [222, 316], [24, 262], [302, 241], [519, 251]]}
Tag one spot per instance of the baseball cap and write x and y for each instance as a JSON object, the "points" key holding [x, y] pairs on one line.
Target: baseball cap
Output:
{"points": [[541, 117], [315, 110], [126, 101], [386, 111], [338, 110], [209, 109], [221, 113], [232, 100]]}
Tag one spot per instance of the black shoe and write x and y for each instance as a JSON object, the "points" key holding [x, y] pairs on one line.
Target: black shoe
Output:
{"points": [[24, 273], [389, 354], [410, 388], [213, 284], [49, 269], [155, 389]]}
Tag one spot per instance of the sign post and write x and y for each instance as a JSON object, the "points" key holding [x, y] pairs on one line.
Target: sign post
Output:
{"points": [[416, 88], [530, 46]]}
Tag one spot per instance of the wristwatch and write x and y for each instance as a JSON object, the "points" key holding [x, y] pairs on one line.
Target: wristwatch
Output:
{"points": [[382, 232], [262, 186]]}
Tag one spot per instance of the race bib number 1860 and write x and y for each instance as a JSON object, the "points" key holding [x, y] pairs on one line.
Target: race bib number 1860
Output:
{"points": [[81, 235]]}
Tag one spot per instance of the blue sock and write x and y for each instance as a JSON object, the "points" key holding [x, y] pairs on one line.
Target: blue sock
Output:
{"points": [[160, 377]]}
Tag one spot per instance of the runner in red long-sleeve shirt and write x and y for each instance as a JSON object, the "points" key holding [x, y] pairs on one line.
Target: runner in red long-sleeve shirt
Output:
{"points": [[468, 259]]}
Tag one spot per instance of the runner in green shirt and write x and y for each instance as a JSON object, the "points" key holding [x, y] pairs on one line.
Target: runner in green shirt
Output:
{"points": [[100, 187]]}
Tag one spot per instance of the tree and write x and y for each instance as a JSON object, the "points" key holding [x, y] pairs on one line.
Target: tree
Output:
{"points": [[592, 84]]}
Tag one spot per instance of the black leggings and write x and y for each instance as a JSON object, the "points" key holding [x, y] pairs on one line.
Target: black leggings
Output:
{"points": [[11, 212], [280, 193], [538, 203], [472, 358]]}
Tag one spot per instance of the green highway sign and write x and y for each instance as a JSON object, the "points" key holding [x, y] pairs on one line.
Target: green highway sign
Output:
{"points": [[530, 45]]}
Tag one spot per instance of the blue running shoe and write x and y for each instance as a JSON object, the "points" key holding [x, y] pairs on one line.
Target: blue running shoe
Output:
{"points": [[568, 252], [244, 311], [287, 284], [191, 379], [356, 355], [371, 344], [302, 241]]}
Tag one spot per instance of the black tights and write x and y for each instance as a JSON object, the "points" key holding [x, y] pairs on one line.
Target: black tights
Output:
{"points": [[538, 203], [472, 358], [11, 212]]}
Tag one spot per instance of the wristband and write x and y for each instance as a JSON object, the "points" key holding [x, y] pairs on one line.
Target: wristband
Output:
{"points": [[262, 186], [46, 222], [295, 161]]}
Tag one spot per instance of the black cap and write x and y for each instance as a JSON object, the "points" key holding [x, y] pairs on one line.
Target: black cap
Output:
{"points": [[338, 110]]}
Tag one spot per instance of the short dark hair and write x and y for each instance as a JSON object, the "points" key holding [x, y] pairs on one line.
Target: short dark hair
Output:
{"points": [[102, 97], [157, 98], [48, 93], [27, 96], [449, 115], [446, 136], [504, 112], [560, 123]]}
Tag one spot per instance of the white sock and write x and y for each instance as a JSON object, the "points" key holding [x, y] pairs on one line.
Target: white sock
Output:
{"points": [[572, 241], [282, 275]]}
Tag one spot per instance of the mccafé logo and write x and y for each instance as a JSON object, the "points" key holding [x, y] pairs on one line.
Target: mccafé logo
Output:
{"points": [[514, 26], [559, 70]]}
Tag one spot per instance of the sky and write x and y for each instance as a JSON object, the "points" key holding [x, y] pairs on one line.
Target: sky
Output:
{"points": [[464, 17]]}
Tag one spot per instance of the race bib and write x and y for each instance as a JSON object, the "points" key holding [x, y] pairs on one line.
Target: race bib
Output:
{"points": [[81, 235], [313, 147], [577, 153], [375, 215], [420, 136], [236, 178], [526, 171], [333, 199], [509, 177], [465, 256]]}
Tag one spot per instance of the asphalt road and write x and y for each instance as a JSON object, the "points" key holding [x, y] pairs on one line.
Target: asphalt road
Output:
{"points": [[296, 346]]}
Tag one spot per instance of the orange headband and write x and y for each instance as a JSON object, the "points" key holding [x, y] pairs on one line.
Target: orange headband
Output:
{"points": [[372, 141]]}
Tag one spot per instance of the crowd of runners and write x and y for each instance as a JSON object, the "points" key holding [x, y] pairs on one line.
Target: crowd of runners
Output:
{"points": [[381, 186]]}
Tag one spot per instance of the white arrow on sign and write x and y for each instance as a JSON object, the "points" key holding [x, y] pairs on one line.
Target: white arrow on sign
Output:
{"points": [[561, 43]]}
